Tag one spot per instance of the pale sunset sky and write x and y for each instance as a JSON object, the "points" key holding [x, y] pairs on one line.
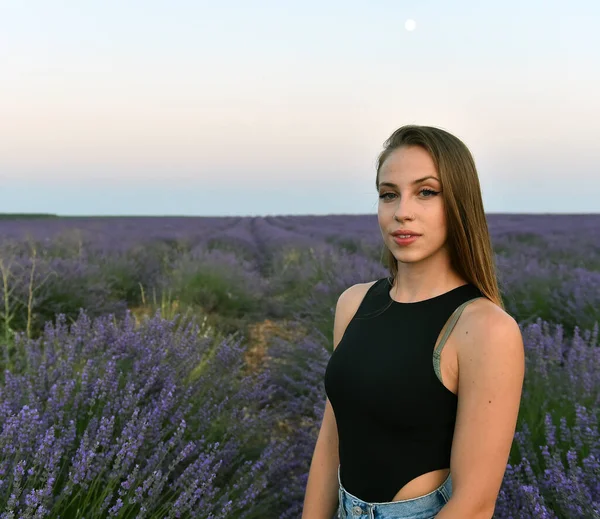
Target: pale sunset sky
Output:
{"points": [[255, 108]]}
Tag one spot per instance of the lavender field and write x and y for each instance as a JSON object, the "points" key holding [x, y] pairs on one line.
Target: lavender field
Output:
{"points": [[173, 367]]}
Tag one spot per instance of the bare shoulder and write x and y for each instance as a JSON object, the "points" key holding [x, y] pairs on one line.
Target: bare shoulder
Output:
{"points": [[347, 306], [483, 324], [350, 299], [483, 313], [356, 293]]}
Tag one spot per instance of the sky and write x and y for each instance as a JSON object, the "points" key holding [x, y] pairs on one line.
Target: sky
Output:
{"points": [[237, 108]]}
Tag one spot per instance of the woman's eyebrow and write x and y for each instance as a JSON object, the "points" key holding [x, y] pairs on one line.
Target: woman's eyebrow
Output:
{"points": [[414, 182]]}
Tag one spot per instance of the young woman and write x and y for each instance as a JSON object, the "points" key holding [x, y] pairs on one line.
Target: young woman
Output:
{"points": [[424, 383]]}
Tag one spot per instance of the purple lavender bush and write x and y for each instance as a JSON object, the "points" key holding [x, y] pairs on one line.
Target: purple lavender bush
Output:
{"points": [[129, 273], [296, 376], [102, 419], [554, 470], [331, 272], [36, 286], [557, 293], [216, 281]]}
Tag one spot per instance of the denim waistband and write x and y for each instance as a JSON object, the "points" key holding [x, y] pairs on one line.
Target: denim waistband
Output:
{"points": [[351, 506]]}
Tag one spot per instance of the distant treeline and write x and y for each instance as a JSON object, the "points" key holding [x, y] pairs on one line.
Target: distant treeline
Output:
{"points": [[31, 216]]}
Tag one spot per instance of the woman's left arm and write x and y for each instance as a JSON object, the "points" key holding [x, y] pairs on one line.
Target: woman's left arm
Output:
{"points": [[491, 370]]}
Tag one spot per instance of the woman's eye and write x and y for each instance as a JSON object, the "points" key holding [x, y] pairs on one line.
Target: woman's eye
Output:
{"points": [[425, 190]]}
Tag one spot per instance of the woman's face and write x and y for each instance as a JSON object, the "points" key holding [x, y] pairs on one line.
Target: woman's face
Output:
{"points": [[418, 207]]}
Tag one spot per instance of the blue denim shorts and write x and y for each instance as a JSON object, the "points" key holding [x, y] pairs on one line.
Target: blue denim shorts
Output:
{"points": [[422, 507]]}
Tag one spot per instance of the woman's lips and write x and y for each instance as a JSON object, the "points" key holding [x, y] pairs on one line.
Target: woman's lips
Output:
{"points": [[405, 241]]}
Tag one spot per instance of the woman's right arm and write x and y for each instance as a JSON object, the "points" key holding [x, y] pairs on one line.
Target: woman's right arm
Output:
{"points": [[321, 498]]}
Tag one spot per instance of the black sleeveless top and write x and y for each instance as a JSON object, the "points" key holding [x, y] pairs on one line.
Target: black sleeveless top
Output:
{"points": [[395, 418]]}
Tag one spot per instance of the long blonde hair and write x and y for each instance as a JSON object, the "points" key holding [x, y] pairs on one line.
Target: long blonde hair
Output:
{"points": [[469, 243]]}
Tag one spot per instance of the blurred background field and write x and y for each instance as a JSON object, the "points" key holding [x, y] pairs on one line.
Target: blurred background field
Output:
{"points": [[172, 367]]}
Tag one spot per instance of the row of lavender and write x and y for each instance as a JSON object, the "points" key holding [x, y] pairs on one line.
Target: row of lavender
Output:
{"points": [[549, 266], [164, 420]]}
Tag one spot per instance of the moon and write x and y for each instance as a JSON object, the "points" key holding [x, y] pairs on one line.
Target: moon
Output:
{"points": [[410, 25]]}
